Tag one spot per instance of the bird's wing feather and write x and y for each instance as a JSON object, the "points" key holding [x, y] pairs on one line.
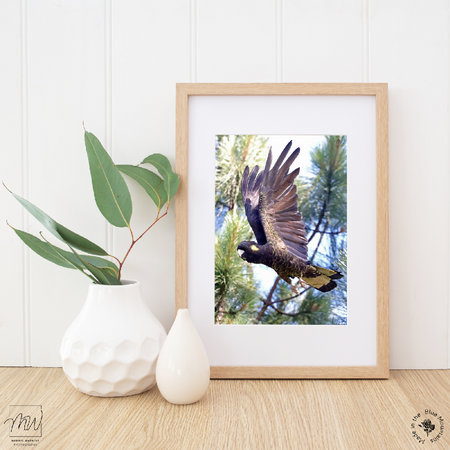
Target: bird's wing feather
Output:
{"points": [[250, 186], [278, 210]]}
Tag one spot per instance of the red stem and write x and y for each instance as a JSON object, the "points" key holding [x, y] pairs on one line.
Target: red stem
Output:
{"points": [[133, 241]]}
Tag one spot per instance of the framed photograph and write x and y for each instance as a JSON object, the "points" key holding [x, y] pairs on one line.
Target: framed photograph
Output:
{"points": [[282, 227]]}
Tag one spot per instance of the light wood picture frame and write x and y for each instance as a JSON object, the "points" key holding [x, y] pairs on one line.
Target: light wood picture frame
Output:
{"points": [[354, 107]]}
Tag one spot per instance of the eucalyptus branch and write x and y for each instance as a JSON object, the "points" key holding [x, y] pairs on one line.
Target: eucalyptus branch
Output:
{"points": [[115, 257], [158, 218], [133, 241], [113, 200]]}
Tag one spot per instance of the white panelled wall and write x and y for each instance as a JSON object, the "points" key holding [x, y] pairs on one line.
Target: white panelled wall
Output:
{"points": [[113, 64]]}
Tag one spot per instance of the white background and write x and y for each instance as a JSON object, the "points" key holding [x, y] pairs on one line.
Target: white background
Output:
{"points": [[114, 65]]}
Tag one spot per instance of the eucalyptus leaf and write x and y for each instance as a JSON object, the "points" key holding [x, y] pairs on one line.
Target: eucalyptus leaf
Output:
{"points": [[152, 183], [43, 249], [104, 276], [103, 264], [62, 257], [59, 231], [73, 264], [162, 164], [110, 190]]}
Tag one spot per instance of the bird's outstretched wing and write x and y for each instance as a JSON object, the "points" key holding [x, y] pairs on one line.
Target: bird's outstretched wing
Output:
{"points": [[278, 210], [250, 185]]}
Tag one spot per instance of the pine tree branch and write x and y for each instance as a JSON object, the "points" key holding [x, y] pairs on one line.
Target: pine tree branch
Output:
{"points": [[328, 191], [289, 314], [320, 241], [267, 301], [220, 307], [290, 298], [341, 231], [246, 148]]}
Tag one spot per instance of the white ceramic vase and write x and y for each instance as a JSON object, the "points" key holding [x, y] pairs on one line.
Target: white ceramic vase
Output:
{"points": [[112, 347], [182, 372]]}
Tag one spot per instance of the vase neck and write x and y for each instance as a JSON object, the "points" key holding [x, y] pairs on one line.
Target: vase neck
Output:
{"points": [[110, 295]]}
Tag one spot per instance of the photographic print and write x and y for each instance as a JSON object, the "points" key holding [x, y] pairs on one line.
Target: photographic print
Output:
{"points": [[282, 219], [280, 230]]}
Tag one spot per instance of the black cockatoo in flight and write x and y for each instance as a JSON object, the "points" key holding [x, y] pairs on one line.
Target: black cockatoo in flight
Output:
{"points": [[270, 200]]}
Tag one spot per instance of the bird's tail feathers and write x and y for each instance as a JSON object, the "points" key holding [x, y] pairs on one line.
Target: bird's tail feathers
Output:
{"points": [[321, 278]]}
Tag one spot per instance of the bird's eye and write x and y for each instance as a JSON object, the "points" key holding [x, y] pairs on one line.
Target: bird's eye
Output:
{"points": [[240, 251]]}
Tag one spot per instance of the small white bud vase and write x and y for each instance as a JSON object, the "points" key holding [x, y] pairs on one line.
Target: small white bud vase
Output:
{"points": [[112, 347], [182, 372]]}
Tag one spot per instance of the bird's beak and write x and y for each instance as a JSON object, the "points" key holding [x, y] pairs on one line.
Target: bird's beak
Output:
{"points": [[240, 251]]}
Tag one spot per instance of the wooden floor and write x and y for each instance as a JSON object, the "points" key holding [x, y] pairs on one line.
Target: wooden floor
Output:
{"points": [[236, 414]]}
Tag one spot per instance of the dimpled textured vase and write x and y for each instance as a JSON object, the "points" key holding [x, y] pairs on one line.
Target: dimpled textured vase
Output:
{"points": [[182, 372], [112, 347]]}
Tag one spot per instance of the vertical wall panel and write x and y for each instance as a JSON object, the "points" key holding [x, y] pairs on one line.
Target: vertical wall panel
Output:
{"points": [[67, 87], [12, 332], [150, 54], [236, 41], [114, 65], [409, 49], [322, 41]]}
